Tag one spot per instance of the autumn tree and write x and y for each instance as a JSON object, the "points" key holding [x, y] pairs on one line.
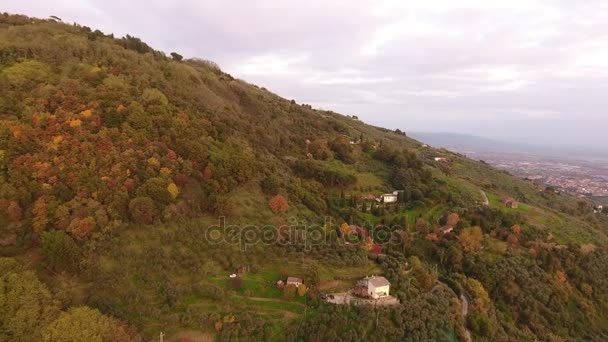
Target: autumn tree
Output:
{"points": [[452, 220], [421, 225], [278, 204], [345, 229], [302, 290], [471, 238], [516, 229], [173, 190], [41, 218], [14, 211]]}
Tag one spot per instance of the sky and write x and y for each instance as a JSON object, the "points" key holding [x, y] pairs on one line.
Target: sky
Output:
{"points": [[516, 70]]}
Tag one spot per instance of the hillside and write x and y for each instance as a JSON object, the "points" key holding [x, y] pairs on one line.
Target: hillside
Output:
{"points": [[132, 184]]}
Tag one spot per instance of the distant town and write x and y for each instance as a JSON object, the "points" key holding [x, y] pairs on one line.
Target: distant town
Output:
{"points": [[583, 178]]}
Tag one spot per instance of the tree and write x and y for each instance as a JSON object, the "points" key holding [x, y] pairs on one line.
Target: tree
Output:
{"points": [[142, 210], [41, 218], [14, 212], [81, 228], [320, 150], [452, 220], [312, 275], [278, 204], [173, 190], [516, 229], [270, 185], [26, 306], [471, 238], [156, 189], [345, 229], [341, 146], [421, 225], [59, 250], [176, 56], [86, 324], [302, 290], [218, 325]]}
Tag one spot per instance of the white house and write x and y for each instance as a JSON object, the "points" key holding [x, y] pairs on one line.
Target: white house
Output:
{"points": [[388, 198], [377, 287]]}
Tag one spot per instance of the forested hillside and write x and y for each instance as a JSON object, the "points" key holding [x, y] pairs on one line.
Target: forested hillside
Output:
{"points": [[117, 161]]}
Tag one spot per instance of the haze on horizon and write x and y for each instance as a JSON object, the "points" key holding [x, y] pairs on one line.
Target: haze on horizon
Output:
{"points": [[516, 70]]}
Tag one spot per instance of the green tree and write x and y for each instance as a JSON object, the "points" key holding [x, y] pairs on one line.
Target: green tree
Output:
{"points": [[59, 250], [86, 324], [176, 56], [26, 306]]}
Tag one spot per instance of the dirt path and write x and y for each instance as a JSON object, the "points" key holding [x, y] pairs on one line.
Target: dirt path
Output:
{"points": [[486, 201], [192, 335], [465, 312]]}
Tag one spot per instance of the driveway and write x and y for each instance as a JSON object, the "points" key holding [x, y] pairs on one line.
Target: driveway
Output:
{"points": [[346, 298]]}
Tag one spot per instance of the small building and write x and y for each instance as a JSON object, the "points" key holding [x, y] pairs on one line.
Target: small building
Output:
{"points": [[387, 198], [377, 287], [294, 281], [367, 197], [441, 159], [446, 229], [511, 203]]}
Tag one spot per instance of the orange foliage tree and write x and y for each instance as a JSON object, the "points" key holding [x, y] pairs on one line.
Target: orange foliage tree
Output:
{"points": [[278, 204], [453, 220]]}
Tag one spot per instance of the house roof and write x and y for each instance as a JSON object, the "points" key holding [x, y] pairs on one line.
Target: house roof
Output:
{"points": [[378, 281], [445, 229], [293, 280]]}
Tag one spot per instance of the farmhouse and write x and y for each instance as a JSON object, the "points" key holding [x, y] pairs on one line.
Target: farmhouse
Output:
{"points": [[373, 287], [377, 287], [387, 198], [294, 281]]}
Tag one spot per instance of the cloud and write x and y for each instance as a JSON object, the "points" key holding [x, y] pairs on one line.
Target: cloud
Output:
{"points": [[529, 68]]}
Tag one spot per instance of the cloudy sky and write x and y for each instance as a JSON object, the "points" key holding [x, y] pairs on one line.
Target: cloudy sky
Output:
{"points": [[534, 71]]}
